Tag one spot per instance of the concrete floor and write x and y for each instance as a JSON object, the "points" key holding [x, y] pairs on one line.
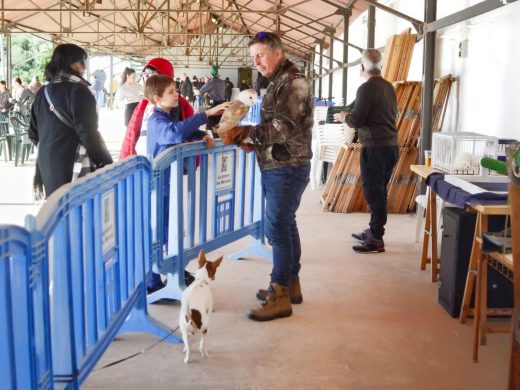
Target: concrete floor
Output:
{"points": [[367, 321]]}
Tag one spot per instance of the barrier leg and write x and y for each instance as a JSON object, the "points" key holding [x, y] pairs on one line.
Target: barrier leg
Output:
{"points": [[257, 248], [172, 290], [140, 321]]}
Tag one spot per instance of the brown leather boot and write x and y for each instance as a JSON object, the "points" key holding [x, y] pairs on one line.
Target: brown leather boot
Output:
{"points": [[295, 292], [276, 305]]}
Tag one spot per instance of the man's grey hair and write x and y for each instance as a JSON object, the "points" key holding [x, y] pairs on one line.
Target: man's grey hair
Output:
{"points": [[372, 61]]}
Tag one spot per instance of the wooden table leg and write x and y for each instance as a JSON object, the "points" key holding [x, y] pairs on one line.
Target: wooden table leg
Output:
{"points": [[470, 278], [483, 299], [514, 365], [433, 235], [430, 235], [426, 234], [477, 313], [483, 275]]}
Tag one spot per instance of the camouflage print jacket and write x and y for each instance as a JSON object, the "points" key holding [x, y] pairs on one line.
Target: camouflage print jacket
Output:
{"points": [[283, 136]]}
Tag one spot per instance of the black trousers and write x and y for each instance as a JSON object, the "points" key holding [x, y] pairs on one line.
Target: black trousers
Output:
{"points": [[129, 110], [213, 120], [376, 168]]}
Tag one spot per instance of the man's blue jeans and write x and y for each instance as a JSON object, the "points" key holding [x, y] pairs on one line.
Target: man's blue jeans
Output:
{"points": [[283, 189]]}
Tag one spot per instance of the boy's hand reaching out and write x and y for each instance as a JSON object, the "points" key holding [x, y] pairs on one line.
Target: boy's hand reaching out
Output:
{"points": [[217, 110], [210, 141]]}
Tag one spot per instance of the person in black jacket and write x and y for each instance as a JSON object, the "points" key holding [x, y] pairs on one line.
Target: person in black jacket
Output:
{"points": [[374, 115], [58, 143], [186, 89]]}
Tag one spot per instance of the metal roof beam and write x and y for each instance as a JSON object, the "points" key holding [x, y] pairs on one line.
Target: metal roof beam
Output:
{"points": [[137, 10], [467, 13], [417, 24], [322, 32]]}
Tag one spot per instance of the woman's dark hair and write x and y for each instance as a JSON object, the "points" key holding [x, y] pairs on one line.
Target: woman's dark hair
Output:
{"points": [[62, 58], [18, 80], [127, 72]]}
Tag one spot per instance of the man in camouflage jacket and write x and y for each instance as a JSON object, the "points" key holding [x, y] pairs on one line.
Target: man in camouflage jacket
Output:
{"points": [[282, 141]]}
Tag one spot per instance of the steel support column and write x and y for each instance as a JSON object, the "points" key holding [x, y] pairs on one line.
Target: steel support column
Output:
{"points": [[111, 87], [311, 75], [320, 81], [8, 61], [346, 20], [430, 14], [331, 65], [371, 27]]}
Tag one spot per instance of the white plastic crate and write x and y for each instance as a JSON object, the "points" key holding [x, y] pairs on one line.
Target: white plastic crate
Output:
{"points": [[460, 152]]}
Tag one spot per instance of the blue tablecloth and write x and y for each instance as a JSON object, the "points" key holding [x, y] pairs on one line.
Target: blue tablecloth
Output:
{"points": [[461, 198]]}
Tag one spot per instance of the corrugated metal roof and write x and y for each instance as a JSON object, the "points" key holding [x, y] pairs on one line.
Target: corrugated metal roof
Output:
{"points": [[192, 31]]}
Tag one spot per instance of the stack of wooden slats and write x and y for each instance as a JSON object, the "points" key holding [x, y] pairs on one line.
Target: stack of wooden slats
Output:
{"points": [[343, 194], [441, 94], [403, 183], [408, 108], [398, 56]]}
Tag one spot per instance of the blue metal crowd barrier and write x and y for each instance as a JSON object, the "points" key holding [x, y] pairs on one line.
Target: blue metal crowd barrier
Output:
{"points": [[319, 102], [253, 115], [93, 240], [25, 348], [94, 235], [230, 207]]}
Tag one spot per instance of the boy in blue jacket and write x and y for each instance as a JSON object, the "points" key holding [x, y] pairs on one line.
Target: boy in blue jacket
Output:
{"points": [[165, 129]]}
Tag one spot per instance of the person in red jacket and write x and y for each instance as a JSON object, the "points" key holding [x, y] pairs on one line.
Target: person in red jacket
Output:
{"points": [[133, 132]]}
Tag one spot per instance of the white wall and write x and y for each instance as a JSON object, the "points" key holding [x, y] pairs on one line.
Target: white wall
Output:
{"points": [[485, 98]]}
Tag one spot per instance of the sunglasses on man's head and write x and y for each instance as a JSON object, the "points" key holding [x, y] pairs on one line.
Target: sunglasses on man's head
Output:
{"points": [[262, 35], [269, 36]]}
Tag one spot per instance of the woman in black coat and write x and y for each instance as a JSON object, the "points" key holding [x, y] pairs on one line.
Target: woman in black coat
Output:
{"points": [[58, 143]]}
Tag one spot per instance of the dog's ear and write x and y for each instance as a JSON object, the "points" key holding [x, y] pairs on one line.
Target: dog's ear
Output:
{"points": [[218, 261], [202, 258], [212, 266]]}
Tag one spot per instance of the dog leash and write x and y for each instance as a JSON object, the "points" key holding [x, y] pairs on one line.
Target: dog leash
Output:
{"points": [[137, 353]]}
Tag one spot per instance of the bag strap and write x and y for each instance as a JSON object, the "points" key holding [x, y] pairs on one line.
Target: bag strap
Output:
{"points": [[55, 111]]}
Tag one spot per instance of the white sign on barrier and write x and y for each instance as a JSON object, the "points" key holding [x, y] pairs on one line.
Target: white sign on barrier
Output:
{"points": [[224, 179], [108, 223]]}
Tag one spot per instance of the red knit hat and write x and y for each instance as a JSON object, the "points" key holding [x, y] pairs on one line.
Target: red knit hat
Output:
{"points": [[163, 66]]}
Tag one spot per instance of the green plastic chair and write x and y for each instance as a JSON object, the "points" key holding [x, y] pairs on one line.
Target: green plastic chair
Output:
{"points": [[22, 144], [5, 138]]}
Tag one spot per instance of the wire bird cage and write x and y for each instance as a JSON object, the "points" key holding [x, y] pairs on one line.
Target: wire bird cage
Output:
{"points": [[460, 152]]}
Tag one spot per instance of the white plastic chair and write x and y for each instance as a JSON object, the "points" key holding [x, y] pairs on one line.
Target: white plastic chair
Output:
{"points": [[330, 138], [320, 115], [422, 203]]}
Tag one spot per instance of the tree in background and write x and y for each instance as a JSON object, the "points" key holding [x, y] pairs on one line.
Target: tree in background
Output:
{"points": [[29, 56]]}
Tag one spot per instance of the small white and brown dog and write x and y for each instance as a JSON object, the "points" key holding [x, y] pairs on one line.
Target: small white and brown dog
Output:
{"points": [[197, 305]]}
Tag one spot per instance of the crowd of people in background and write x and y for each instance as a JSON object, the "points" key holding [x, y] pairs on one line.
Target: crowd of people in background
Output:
{"points": [[128, 90], [197, 95], [20, 97]]}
